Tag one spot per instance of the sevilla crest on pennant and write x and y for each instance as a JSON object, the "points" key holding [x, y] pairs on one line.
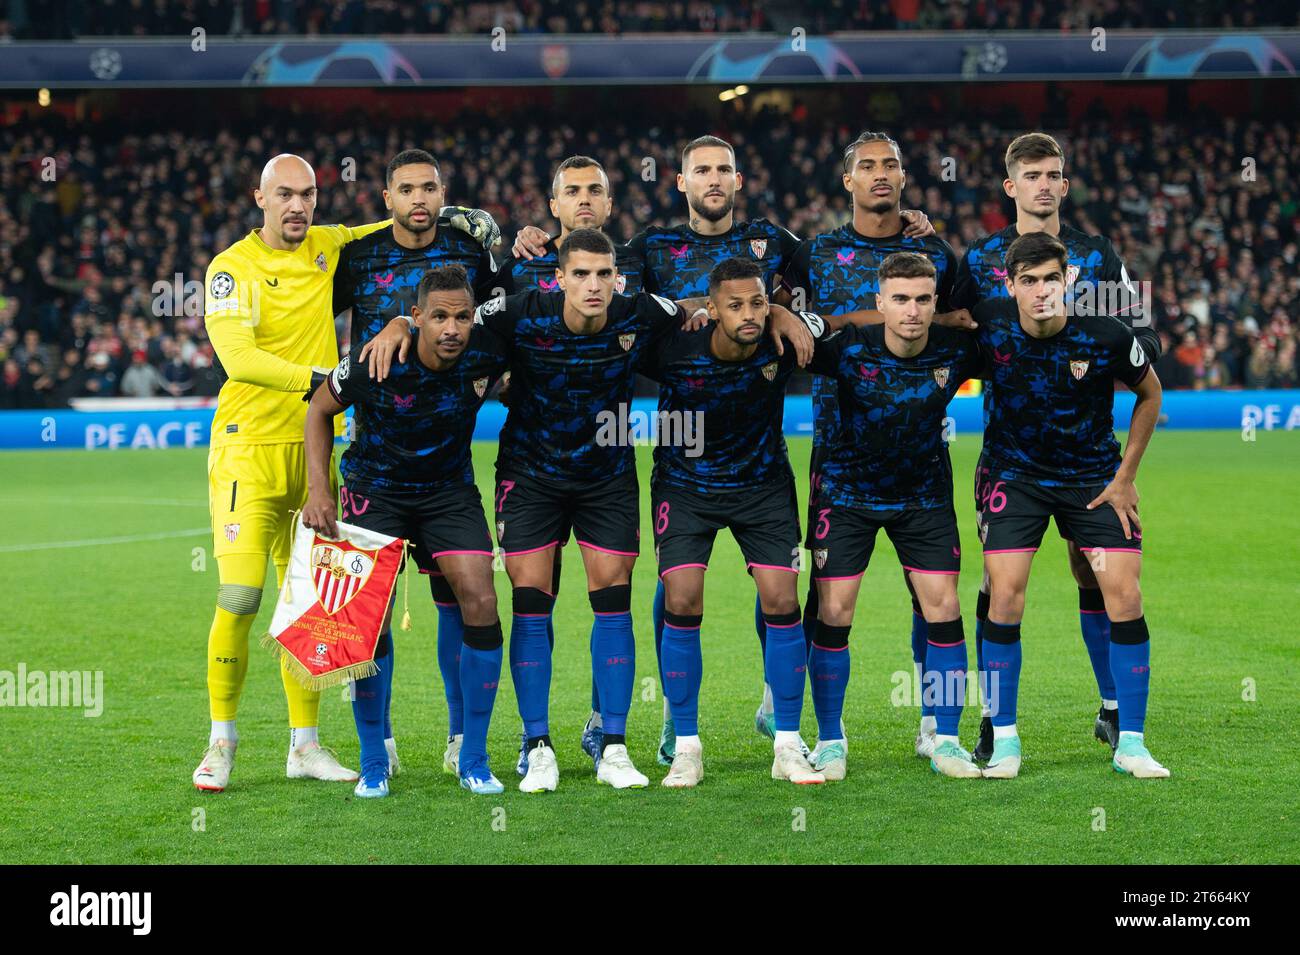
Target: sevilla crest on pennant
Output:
{"points": [[339, 571], [941, 377], [1079, 369], [627, 340], [758, 247], [819, 557], [480, 386], [769, 371]]}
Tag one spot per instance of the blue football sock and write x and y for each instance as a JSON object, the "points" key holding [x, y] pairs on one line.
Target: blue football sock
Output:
{"points": [[981, 615], [368, 712], [613, 654], [785, 660], [810, 618], [1130, 664], [658, 613], [830, 678], [1002, 658], [451, 637], [388, 689], [760, 626], [945, 674], [1096, 637], [920, 634], [683, 668], [480, 673], [530, 658]]}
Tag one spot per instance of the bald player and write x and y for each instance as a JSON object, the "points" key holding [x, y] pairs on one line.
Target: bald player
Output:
{"points": [[270, 317]]}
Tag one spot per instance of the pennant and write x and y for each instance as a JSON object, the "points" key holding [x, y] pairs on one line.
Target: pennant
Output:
{"points": [[332, 606]]}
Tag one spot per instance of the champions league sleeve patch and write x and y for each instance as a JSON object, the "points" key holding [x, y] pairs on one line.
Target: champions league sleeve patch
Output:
{"points": [[221, 293]]}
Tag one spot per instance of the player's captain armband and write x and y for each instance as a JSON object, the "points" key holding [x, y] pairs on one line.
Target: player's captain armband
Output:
{"points": [[223, 294], [813, 322]]}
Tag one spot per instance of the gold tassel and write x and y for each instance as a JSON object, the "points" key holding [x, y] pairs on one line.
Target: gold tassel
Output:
{"points": [[288, 571], [406, 597]]}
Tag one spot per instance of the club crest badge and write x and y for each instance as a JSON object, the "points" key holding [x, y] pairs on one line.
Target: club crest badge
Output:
{"points": [[627, 340], [339, 571], [941, 377], [769, 371], [501, 530], [1071, 273], [321, 263], [819, 557], [1079, 369], [620, 284], [232, 532], [480, 386], [758, 247]]}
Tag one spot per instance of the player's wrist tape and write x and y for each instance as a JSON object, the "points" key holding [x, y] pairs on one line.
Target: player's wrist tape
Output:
{"points": [[813, 322], [410, 322]]}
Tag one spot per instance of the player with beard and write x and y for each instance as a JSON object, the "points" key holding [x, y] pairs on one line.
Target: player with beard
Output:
{"points": [[836, 273], [1096, 282], [378, 278]]}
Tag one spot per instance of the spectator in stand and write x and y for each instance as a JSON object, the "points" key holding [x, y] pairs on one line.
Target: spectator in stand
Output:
{"points": [[141, 379]]}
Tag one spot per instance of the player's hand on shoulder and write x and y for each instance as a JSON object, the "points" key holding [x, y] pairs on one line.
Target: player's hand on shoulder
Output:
{"points": [[530, 242], [782, 323], [318, 514], [957, 318], [695, 320], [378, 353], [474, 222], [916, 224], [1121, 494]]}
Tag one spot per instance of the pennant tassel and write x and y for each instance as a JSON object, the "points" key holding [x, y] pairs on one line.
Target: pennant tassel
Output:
{"points": [[406, 596], [314, 681]]}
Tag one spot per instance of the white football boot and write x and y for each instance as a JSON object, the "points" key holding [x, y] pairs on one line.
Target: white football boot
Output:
{"points": [[213, 773], [394, 764], [451, 755], [790, 764], [543, 772], [830, 758], [688, 768], [616, 769], [1133, 759], [314, 761]]}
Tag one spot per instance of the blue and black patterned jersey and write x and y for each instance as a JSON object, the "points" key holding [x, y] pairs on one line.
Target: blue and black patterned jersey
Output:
{"points": [[378, 279], [889, 450], [568, 391], [413, 429], [723, 425], [677, 260], [1050, 418], [836, 273], [520, 275]]}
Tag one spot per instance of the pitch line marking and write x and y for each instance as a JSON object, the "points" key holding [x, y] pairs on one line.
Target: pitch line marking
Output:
{"points": [[98, 541]]}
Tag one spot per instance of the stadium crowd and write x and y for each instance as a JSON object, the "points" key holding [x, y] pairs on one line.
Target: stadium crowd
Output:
{"points": [[101, 270], [55, 19]]}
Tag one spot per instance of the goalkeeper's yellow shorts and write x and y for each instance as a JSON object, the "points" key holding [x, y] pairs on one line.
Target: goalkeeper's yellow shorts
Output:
{"points": [[253, 491]]}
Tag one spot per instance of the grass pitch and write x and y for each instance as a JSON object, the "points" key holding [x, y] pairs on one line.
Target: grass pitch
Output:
{"points": [[106, 563]]}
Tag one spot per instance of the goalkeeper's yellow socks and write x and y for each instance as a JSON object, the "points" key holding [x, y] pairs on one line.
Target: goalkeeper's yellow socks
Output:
{"points": [[304, 704], [227, 667]]}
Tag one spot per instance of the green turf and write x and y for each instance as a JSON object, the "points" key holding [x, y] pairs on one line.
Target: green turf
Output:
{"points": [[1221, 584]]}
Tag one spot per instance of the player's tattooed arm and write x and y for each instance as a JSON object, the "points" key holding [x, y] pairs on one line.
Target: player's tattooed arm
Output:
{"points": [[395, 339], [318, 441], [1121, 493], [916, 224], [530, 242]]}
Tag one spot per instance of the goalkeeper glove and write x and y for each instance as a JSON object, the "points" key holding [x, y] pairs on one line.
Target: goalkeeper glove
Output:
{"points": [[474, 222]]}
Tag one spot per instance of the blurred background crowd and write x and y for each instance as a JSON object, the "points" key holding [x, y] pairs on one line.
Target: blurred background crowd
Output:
{"points": [[47, 19], [101, 271]]}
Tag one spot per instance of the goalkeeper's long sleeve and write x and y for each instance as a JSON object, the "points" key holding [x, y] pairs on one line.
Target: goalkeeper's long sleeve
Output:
{"points": [[243, 361]]}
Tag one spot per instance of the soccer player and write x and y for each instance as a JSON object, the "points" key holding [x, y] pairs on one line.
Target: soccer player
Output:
{"points": [[677, 262], [268, 313], [377, 278], [409, 474], [580, 199], [721, 462], [1050, 451], [836, 273], [1096, 281], [888, 468]]}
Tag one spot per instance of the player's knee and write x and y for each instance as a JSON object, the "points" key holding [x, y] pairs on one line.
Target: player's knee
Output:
{"points": [[945, 607], [835, 610], [779, 605], [239, 598], [1081, 567], [683, 599], [615, 599], [441, 590], [483, 636], [479, 605], [1124, 601]]}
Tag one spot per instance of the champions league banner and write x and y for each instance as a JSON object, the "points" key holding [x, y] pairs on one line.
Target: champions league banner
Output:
{"points": [[508, 59]]}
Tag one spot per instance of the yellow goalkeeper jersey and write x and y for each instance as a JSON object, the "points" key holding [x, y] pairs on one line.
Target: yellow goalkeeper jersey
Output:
{"points": [[269, 314]]}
